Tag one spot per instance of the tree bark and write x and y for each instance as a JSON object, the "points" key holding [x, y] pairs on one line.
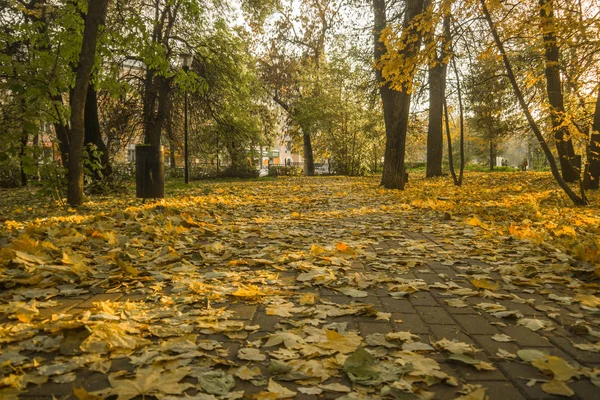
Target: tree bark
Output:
{"points": [[396, 105], [492, 155], [449, 139], [564, 144], [95, 17], [93, 136], [532, 124], [435, 152], [309, 161], [437, 103], [592, 176]]}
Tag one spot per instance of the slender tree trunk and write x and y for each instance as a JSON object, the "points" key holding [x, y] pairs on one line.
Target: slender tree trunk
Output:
{"points": [[396, 105], [592, 175], [449, 139], [22, 152], [95, 17], [434, 130], [492, 155], [570, 164], [309, 161], [462, 125], [532, 124], [93, 136], [24, 140]]}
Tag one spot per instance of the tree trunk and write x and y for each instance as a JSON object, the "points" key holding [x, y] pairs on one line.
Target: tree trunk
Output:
{"points": [[396, 105], [95, 17], [437, 78], [309, 161], [93, 136], [22, 152], [172, 149], [564, 144], [462, 126], [532, 124], [449, 139], [492, 155], [592, 175], [24, 140]]}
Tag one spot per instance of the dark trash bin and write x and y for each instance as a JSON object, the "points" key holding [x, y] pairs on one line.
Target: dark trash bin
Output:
{"points": [[149, 172]]}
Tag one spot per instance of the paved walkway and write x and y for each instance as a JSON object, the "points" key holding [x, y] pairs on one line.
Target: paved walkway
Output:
{"points": [[293, 295], [424, 312]]}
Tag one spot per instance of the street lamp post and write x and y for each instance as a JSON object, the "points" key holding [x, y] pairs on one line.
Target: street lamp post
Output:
{"points": [[186, 61]]}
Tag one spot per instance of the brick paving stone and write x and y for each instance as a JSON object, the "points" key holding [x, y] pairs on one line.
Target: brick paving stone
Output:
{"points": [[393, 305], [410, 322], [89, 303], [470, 373], [63, 306], [491, 346], [266, 322], [367, 328], [242, 311], [422, 299], [519, 374], [450, 332], [475, 325], [525, 309], [435, 315], [502, 390], [525, 336], [580, 356]]}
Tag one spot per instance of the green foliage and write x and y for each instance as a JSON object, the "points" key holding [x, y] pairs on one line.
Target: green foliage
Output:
{"points": [[239, 171]]}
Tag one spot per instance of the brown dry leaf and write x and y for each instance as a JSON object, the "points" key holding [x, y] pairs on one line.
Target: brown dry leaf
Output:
{"points": [[485, 284], [455, 347], [557, 388], [477, 394], [280, 391], [147, 382], [558, 367]]}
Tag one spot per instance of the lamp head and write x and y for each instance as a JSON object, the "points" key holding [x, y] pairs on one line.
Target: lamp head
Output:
{"points": [[186, 61]]}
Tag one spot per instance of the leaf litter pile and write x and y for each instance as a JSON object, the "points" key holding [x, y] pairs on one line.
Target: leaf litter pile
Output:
{"points": [[298, 288]]}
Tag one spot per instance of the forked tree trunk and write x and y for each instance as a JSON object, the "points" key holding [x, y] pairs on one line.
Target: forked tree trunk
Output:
{"points": [[532, 124], [570, 164], [396, 105], [95, 17]]}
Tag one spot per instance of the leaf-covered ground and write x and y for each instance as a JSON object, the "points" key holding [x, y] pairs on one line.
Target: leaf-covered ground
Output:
{"points": [[304, 288]]}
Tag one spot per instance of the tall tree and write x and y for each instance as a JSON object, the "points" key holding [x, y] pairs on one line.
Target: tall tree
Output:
{"points": [[94, 19], [580, 200], [570, 164], [437, 94], [396, 97]]}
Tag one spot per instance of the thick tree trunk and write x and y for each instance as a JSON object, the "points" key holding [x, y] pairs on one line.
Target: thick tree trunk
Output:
{"points": [[569, 163], [437, 83], [532, 124], [309, 161], [95, 17], [93, 136], [592, 176], [396, 105]]}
